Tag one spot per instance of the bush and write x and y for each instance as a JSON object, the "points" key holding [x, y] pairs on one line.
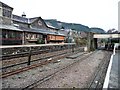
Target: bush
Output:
{"points": [[40, 41], [81, 41]]}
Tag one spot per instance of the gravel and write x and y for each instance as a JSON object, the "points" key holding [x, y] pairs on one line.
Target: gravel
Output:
{"points": [[75, 76]]}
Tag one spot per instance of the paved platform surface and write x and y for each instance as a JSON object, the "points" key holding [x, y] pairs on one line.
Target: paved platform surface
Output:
{"points": [[115, 71]]}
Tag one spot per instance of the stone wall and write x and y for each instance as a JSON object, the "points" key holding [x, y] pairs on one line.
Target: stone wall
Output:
{"points": [[5, 21]]}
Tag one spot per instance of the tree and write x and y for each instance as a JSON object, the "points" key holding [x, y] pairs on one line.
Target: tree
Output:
{"points": [[113, 30]]}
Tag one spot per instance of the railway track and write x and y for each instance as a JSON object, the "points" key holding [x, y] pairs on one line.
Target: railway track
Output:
{"points": [[4, 75], [98, 77], [10, 60], [42, 62], [15, 62], [34, 84]]}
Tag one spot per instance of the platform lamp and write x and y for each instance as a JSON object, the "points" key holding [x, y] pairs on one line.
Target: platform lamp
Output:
{"points": [[110, 39]]}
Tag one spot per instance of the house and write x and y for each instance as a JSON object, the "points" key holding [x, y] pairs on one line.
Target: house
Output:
{"points": [[36, 30], [33, 29], [21, 30]]}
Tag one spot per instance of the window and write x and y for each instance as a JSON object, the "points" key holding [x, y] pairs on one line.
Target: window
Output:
{"points": [[18, 35], [7, 13], [4, 34], [32, 36], [37, 36], [39, 23], [9, 34], [28, 35]]}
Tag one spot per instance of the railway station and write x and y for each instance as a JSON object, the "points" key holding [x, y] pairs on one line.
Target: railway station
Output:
{"points": [[38, 53]]}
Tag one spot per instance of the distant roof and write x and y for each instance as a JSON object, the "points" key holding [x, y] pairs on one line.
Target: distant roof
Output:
{"points": [[10, 27]]}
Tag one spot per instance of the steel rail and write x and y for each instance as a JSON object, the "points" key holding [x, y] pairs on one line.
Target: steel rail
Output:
{"points": [[34, 84], [96, 78], [4, 75]]}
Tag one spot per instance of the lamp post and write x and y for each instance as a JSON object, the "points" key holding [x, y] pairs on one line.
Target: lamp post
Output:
{"points": [[110, 41], [68, 38]]}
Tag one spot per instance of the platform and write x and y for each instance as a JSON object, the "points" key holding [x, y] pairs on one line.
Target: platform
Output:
{"points": [[112, 79], [115, 71]]}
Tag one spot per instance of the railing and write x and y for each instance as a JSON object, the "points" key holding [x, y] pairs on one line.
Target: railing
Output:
{"points": [[32, 52], [14, 49], [21, 56], [23, 50]]}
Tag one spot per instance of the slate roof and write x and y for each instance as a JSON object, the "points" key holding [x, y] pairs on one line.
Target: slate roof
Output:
{"points": [[42, 31], [35, 30], [10, 27], [24, 19], [19, 19], [32, 19]]}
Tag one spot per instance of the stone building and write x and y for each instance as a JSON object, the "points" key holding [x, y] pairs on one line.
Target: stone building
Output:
{"points": [[21, 30]]}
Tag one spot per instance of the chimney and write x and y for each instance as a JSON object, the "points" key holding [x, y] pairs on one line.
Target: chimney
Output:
{"points": [[23, 15]]}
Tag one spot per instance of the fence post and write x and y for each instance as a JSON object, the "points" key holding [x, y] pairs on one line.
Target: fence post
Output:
{"points": [[29, 56], [73, 48]]}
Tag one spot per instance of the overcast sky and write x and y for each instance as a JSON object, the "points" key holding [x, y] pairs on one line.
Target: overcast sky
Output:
{"points": [[92, 13]]}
